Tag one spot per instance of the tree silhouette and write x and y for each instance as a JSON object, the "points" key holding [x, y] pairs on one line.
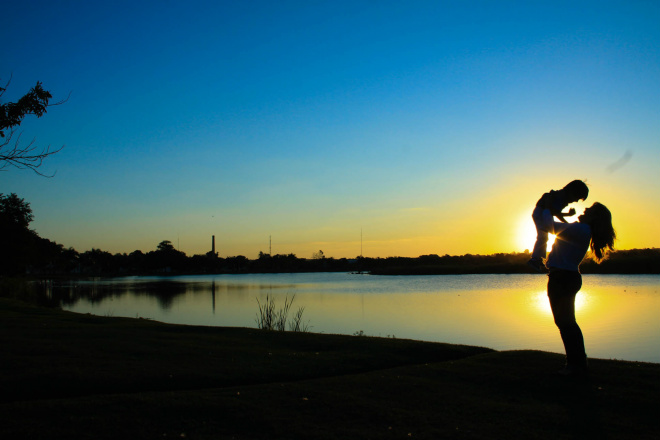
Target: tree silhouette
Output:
{"points": [[20, 156], [18, 241], [165, 246], [14, 212], [165, 258]]}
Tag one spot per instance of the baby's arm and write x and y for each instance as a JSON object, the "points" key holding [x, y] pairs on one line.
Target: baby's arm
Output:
{"points": [[569, 213], [548, 224]]}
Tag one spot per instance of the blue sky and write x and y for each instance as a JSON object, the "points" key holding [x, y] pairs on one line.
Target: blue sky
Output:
{"points": [[433, 127]]}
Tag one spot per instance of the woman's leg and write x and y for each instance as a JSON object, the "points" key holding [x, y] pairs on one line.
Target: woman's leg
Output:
{"points": [[562, 289]]}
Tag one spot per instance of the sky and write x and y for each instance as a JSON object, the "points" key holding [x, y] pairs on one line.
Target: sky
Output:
{"points": [[375, 128]]}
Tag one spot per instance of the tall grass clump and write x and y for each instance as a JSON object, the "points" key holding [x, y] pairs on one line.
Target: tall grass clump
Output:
{"points": [[297, 324], [269, 318]]}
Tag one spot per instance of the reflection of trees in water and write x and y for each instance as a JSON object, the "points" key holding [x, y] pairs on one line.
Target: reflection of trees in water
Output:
{"points": [[164, 291], [97, 291]]}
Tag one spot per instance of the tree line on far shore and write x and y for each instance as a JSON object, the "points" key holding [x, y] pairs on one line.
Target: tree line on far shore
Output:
{"points": [[24, 252]]}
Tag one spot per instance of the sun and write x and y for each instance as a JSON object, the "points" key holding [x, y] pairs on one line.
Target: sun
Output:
{"points": [[527, 235]]}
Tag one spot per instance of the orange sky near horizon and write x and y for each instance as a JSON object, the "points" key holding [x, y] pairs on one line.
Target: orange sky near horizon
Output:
{"points": [[491, 223]]}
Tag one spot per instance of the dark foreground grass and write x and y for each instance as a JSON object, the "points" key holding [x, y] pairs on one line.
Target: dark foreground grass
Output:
{"points": [[64, 375]]}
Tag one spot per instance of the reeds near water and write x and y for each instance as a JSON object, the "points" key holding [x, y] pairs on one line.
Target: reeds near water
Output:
{"points": [[270, 318]]}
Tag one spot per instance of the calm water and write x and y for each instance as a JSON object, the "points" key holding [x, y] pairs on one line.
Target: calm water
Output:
{"points": [[618, 314]]}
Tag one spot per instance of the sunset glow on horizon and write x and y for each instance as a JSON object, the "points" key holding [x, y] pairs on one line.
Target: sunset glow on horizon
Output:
{"points": [[374, 128]]}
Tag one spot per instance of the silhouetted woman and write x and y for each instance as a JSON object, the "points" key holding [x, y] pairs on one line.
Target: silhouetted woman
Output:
{"points": [[592, 230]]}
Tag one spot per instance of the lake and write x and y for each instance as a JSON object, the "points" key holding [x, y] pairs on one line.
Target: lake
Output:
{"points": [[618, 314]]}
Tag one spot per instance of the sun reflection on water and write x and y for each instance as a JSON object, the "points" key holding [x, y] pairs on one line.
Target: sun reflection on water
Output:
{"points": [[542, 303]]}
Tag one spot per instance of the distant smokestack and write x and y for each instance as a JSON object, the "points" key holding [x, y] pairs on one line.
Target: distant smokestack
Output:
{"points": [[213, 244]]}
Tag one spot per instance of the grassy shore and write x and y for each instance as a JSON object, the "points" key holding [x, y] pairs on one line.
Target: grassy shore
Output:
{"points": [[65, 375]]}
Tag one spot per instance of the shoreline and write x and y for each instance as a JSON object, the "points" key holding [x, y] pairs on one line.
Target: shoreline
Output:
{"points": [[87, 376]]}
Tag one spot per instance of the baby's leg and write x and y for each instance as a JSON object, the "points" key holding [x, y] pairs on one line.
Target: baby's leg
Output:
{"points": [[541, 245], [539, 251]]}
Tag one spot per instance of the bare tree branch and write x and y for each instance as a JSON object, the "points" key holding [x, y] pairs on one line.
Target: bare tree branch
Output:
{"points": [[24, 157], [35, 102]]}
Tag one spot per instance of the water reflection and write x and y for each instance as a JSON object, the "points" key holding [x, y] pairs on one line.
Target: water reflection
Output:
{"points": [[213, 295], [618, 314], [98, 292]]}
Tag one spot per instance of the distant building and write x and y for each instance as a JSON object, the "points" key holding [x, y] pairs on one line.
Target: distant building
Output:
{"points": [[213, 253]]}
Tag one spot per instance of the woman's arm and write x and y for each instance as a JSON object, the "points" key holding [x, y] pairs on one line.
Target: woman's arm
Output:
{"points": [[572, 232], [549, 225]]}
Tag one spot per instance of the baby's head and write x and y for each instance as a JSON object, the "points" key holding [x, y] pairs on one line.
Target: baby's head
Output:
{"points": [[576, 190]]}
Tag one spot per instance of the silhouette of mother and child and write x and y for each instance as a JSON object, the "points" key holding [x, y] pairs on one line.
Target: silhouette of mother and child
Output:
{"points": [[593, 230]]}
